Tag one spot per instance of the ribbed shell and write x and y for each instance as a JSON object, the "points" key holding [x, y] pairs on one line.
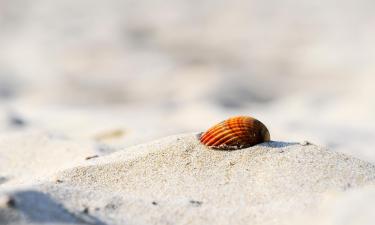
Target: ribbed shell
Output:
{"points": [[235, 133]]}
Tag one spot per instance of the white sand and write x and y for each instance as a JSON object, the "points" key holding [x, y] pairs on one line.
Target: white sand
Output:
{"points": [[80, 78], [176, 180], [345, 208], [30, 155]]}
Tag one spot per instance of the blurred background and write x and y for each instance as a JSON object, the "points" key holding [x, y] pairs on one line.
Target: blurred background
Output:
{"points": [[119, 73]]}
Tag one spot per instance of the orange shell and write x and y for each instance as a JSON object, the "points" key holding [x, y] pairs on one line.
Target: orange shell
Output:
{"points": [[235, 133]]}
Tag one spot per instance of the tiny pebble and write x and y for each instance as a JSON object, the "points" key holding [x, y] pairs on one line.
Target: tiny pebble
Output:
{"points": [[7, 202], [304, 143], [86, 210], [59, 181], [91, 157], [196, 203], [16, 121]]}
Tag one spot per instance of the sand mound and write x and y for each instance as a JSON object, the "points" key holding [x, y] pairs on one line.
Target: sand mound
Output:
{"points": [[176, 180], [28, 156], [345, 208]]}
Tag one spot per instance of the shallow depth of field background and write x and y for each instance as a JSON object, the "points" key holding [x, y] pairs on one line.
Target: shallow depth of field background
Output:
{"points": [[147, 69]]}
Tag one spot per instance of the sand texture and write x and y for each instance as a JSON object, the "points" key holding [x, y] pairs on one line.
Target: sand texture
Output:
{"points": [[176, 180], [91, 92], [28, 156]]}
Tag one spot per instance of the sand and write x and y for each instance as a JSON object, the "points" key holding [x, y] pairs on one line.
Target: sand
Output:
{"points": [[30, 155], [91, 90], [176, 180], [353, 207]]}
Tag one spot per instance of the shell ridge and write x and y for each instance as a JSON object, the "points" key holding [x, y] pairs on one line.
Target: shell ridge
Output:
{"points": [[235, 132], [222, 132], [214, 134], [231, 135]]}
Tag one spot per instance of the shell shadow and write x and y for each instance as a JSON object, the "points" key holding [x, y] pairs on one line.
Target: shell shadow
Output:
{"points": [[270, 144], [37, 207], [278, 144]]}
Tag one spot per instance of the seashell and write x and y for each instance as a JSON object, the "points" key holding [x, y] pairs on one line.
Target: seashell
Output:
{"points": [[235, 133]]}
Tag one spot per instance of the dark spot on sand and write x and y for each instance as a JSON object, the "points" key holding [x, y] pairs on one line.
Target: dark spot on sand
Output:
{"points": [[86, 210], [305, 143], [196, 203], [17, 121], [58, 181], [11, 202], [91, 157], [7, 202], [111, 206], [154, 203]]}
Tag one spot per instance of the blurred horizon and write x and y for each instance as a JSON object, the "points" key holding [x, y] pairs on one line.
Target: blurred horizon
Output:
{"points": [[305, 68]]}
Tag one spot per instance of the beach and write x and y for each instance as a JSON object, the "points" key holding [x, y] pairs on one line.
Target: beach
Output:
{"points": [[102, 105]]}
